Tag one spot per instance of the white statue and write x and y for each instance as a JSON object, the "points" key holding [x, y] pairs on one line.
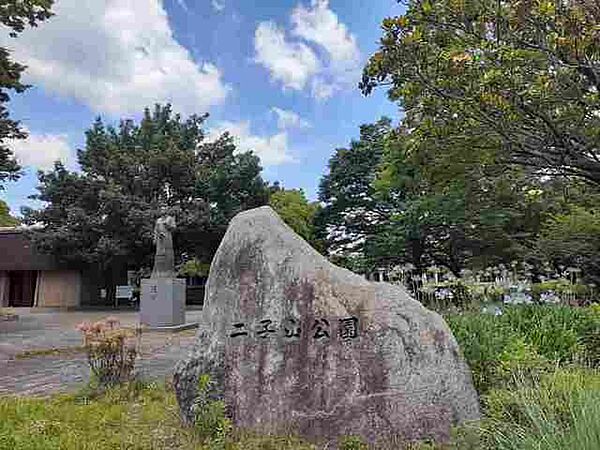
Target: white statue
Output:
{"points": [[164, 259]]}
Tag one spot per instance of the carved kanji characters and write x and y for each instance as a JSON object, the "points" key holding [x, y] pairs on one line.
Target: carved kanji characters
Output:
{"points": [[239, 330], [293, 328], [265, 330], [348, 328], [321, 327]]}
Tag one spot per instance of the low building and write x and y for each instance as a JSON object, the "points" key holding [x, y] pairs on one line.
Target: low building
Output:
{"points": [[28, 278]]}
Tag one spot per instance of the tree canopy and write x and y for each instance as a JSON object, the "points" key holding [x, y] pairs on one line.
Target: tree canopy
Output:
{"points": [[514, 82], [352, 212], [131, 175], [15, 15]]}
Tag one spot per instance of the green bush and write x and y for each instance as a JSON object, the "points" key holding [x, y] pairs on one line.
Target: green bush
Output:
{"points": [[554, 331], [446, 296], [561, 286]]}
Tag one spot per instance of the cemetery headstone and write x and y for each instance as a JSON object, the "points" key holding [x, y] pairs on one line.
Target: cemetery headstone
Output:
{"points": [[162, 302], [296, 344]]}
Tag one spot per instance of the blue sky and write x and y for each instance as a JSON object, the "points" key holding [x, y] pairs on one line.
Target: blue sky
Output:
{"points": [[279, 75]]}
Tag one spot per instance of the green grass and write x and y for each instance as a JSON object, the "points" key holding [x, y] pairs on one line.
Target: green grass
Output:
{"points": [[561, 411], [531, 339], [120, 418], [536, 370], [54, 351], [129, 417]]}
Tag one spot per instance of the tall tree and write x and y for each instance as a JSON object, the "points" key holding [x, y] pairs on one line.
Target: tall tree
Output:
{"points": [[514, 81], [352, 213], [132, 174], [457, 214], [15, 15]]}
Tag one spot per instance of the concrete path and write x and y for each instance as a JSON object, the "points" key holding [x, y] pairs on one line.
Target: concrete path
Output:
{"points": [[38, 330]]}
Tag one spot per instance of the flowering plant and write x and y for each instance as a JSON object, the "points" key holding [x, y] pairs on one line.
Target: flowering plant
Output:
{"points": [[111, 349]]}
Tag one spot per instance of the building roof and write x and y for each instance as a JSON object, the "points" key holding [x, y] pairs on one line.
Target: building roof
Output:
{"points": [[17, 253]]}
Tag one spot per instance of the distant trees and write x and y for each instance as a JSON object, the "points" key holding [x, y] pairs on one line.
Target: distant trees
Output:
{"points": [[15, 15], [352, 213], [132, 174]]}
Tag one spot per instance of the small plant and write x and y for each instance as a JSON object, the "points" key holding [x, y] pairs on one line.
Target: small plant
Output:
{"points": [[352, 443], [111, 350], [211, 424]]}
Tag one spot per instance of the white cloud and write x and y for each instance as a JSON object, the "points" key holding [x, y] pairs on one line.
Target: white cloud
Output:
{"points": [[321, 25], [338, 69], [40, 151], [217, 5], [321, 89], [289, 119], [272, 150], [183, 5], [291, 63], [117, 56]]}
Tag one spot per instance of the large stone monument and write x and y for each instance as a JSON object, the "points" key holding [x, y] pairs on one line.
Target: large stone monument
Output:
{"points": [[162, 302], [296, 344]]}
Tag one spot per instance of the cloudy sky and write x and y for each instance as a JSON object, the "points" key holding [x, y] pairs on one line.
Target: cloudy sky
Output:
{"points": [[280, 75]]}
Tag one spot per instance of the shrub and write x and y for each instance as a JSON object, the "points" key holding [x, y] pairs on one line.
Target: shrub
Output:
{"points": [[111, 350], [446, 295]]}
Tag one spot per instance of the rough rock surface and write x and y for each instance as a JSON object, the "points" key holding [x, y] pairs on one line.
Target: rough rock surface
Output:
{"points": [[402, 376]]}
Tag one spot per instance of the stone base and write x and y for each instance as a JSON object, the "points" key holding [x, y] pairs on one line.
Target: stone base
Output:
{"points": [[162, 302]]}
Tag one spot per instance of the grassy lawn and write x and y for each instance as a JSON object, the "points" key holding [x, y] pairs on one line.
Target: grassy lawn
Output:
{"points": [[130, 417]]}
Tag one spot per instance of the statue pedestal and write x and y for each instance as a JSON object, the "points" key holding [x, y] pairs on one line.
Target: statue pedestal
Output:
{"points": [[162, 302]]}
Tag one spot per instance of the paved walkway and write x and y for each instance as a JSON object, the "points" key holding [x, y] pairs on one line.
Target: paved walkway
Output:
{"points": [[38, 330]]}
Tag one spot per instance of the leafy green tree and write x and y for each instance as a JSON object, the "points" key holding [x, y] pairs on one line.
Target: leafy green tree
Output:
{"points": [[228, 182], [480, 215], [509, 82], [6, 220], [352, 213], [293, 207], [15, 15], [130, 176]]}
